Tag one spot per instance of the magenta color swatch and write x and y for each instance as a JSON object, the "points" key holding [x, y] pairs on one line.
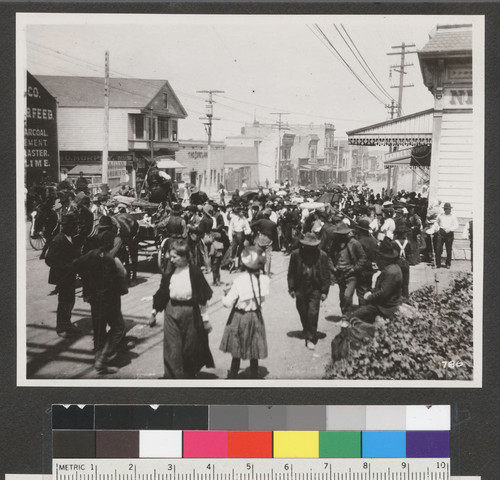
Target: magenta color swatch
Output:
{"points": [[204, 444]]}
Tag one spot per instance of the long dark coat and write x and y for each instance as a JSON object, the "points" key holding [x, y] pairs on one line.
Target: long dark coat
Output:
{"points": [[201, 295]]}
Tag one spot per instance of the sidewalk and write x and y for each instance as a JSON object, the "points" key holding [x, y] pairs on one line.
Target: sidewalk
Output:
{"points": [[49, 356]]}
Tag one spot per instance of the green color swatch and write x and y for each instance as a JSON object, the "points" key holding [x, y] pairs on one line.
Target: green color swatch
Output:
{"points": [[340, 444]]}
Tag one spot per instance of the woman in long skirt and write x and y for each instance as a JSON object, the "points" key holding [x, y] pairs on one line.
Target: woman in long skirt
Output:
{"points": [[245, 334], [183, 294]]}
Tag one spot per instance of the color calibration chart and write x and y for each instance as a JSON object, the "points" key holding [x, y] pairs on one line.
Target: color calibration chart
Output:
{"points": [[168, 442]]}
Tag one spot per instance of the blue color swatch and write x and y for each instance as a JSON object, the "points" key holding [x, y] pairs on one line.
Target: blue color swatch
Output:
{"points": [[388, 444]]}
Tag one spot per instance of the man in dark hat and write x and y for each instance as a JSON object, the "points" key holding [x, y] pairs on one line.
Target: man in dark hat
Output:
{"points": [[84, 218], [219, 245], [370, 246], [349, 260], [175, 226], [447, 224], [104, 279], [403, 247], [309, 284], [82, 184], [266, 233], [106, 224], [60, 258], [385, 298]]}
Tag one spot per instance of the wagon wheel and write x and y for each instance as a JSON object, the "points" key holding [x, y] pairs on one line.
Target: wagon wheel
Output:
{"points": [[37, 242], [163, 255]]}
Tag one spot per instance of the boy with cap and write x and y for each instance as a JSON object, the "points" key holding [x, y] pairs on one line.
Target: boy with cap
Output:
{"points": [[349, 260]]}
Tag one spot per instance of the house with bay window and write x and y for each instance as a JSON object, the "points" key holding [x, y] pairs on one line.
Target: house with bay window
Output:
{"points": [[143, 119]]}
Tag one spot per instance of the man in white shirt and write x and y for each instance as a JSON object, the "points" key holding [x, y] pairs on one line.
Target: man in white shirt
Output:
{"points": [[447, 224], [238, 228]]}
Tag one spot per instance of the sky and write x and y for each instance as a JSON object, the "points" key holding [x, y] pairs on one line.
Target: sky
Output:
{"points": [[264, 64]]}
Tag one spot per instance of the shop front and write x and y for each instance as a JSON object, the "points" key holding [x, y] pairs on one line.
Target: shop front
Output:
{"points": [[120, 168]]}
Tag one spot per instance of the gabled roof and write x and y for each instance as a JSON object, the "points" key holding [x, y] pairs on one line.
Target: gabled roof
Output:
{"points": [[123, 92], [413, 129], [453, 39]]}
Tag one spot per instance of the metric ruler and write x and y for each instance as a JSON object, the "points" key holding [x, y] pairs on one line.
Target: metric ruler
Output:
{"points": [[252, 469]]}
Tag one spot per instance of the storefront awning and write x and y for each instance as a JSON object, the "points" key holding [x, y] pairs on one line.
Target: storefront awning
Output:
{"points": [[411, 130], [86, 170], [168, 163], [419, 156]]}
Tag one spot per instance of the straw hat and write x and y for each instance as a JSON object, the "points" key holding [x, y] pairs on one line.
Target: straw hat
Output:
{"points": [[310, 240]]}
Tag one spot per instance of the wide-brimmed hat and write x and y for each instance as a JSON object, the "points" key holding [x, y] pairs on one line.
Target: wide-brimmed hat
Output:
{"points": [[343, 229], [176, 208], [106, 239], [105, 223], [447, 205], [253, 257], [310, 240], [363, 224], [208, 209], [386, 249]]}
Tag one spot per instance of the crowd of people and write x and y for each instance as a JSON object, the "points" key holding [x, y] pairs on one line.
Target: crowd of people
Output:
{"points": [[366, 243]]}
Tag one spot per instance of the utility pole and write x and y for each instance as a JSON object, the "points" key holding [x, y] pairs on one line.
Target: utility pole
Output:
{"points": [[280, 125], [402, 72], [338, 160], [105, 150], [392, 111], [208, 119]]}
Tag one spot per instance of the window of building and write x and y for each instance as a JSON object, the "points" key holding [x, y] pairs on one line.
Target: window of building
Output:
{"points": [[151, 128], [139, 127], [174, 130], [165, 99], [163, 128]]}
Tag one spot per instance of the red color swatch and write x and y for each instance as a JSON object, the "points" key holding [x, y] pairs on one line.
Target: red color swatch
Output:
{"points": [[250, 444]]}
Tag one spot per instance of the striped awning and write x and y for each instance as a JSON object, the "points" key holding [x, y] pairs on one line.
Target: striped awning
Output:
{"points": [[411, 130]]}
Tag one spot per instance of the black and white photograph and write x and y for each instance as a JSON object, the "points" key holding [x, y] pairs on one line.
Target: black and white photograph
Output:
{"points": [[249, 200]]}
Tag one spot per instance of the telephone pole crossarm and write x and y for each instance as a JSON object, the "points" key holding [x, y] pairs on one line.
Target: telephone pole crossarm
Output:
{"points": [[208, 120]]}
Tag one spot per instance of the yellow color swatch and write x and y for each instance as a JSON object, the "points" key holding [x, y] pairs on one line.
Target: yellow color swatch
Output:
{"points": [[295, 444]]}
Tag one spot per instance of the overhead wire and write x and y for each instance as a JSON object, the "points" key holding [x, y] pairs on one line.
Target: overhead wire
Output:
{"points": [[366, 63], [346, 64], [78, 62], [367, 69]]}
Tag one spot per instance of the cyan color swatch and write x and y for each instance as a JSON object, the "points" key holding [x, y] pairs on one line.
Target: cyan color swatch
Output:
{"points": [[389, 444]]}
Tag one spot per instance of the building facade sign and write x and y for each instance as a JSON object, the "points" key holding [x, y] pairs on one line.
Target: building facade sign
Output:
{"points": [[117, 169], [458, 98], [198, 154], [70, 159], [40, 134]]}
